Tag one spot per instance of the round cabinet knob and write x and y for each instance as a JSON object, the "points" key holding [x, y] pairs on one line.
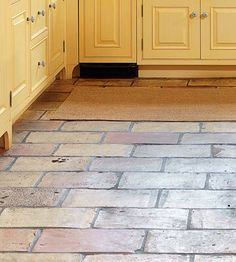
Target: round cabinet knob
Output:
{"points": [[42, 13], [32, 19], [204, 15], [53, 5], [42, 63], [193, 14], [28, 19]]}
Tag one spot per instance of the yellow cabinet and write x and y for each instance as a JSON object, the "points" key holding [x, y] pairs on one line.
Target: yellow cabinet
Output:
{"points": [[56, 34], [5, 74], [171, 29], [20, 46], [107, 30], [218, 29]]}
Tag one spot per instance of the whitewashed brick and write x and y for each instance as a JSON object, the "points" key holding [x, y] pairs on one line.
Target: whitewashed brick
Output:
{"points": [[210, 138], [10, 257], [215, 258], [224, 151], [222, 181], [219, 127]]}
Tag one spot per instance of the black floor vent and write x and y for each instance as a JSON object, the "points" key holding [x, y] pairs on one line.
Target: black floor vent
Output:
{"points": [[96, 70]]}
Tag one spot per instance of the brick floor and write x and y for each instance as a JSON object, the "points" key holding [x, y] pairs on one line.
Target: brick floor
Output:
{"points": [[100, 191]]}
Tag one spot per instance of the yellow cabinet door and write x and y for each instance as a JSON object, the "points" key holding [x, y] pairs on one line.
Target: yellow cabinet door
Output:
{"points": [[56, 34], [5, 74], [107, 30], [20, 47], [171, 29], [218, 29], [38, 17]]}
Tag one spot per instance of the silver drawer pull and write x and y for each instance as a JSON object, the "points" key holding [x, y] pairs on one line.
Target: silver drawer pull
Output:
{"points": [[193, 14], [32, 19], [42, 13], [53, 5], [42, 63], [204, 15]]}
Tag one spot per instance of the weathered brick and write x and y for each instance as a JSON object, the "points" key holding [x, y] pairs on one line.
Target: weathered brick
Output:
{"points": [[215, 258], [16, 240], [224, 151], [30, 150], [19, 136], [219, 127], [66, 88], [53, 97], [141, 138], [166, 127], [64, 137], [191, 241], [173, 151], [119, 82], [50, 164], [79, 180], [5, 162], [91, 82], [142, 218], [38, 125], [213, 82], [111, 198], [222, 181], [48, 106], [29, 197], [32, 115], [141, 180], [96, 126], [47, 217], [201, 165], [10, 257], [213, 219], [126, 164], [160, 82], [94, 150], [198, 199], [89, 240], [137, 258], [209, 138], [19, 179]]}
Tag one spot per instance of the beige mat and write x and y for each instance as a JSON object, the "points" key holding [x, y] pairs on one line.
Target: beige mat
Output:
{"points": [[149, 104]]}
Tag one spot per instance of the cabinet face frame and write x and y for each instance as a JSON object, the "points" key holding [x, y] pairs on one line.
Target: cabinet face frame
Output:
{"points": [[108, 44]]}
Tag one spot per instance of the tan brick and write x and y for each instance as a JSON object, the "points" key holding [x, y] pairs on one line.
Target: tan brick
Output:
{"points": [[38, 125], [10, 257], [47, 217], [48, 106], [5, 162], [19, 179], [32, 115], [111, 198], [142, 180], [30, 150], [29, 197], [66, 88], [79, 180], [160, 82], [142, 218], [89, 240], [64, 137], [173, 151], [93, 150], [91, 82], [213, 82], [166, 127], [96, 126], [50, 164], [141, 138], [138, 258], [53, 97], [126, 164], [119, 82], [16, 240]]}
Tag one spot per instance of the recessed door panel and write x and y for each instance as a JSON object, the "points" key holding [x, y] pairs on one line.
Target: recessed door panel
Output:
{"points": [[171, 29], [218, 26], [108, 30]]}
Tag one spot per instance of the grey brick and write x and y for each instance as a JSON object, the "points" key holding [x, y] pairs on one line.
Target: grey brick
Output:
{"points": [[222, 181], [211, 138]]}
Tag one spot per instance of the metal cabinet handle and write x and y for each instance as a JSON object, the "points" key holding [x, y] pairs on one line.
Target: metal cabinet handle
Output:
{"points": [[53, 5], [42, 63], [204, 15], [32, 19], [41, 12], [193, 14]]}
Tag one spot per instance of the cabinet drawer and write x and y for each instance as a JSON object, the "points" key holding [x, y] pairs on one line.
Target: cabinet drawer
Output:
{"points": [[38, 17], [39, 65]]}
